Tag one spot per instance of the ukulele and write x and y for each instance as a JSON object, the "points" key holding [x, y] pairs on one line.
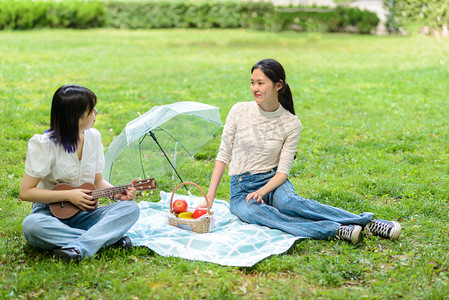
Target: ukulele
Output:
{"points": [[66, 210]]}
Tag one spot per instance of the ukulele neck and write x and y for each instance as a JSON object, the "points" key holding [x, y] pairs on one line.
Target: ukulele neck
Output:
{"points": [[109, 191]]}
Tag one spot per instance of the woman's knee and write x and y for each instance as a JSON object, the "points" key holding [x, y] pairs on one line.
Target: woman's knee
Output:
{"points": [[284, 194], [246, 211], [32, 225], [131, 208]]}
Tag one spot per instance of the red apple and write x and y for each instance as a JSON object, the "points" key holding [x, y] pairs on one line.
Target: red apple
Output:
{"points": [[199, 212], [179, 206]]}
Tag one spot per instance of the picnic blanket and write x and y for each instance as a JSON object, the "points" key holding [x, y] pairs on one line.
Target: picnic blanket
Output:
{"points": [[230, 242]]}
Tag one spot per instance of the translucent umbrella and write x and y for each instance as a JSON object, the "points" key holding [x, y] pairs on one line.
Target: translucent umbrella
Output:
{"points": [[158, 141]]}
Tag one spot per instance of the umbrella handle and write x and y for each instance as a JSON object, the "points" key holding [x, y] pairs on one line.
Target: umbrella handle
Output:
{"points": [[195, 185]]}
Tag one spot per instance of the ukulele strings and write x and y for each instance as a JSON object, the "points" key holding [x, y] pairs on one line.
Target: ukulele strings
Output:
{"points": [[116, 189], [109, 191]]}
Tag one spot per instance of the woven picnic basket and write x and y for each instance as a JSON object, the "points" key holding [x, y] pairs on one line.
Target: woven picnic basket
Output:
{"points": [[200, 225]]}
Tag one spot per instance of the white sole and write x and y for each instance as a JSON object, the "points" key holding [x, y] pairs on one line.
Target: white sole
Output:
{"points": [[356, 235], [396, 231]]}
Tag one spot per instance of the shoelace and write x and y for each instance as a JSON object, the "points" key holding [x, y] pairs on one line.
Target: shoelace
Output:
{"points": [[380, 228], [345, 232]]}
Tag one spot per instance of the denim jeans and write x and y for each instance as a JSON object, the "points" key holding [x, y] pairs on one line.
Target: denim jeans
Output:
{"points": [[86, 231], [283, 209]]}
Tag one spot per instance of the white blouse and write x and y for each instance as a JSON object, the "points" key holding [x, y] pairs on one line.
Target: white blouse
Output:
{"points": [[258, 140], [53, 165]]}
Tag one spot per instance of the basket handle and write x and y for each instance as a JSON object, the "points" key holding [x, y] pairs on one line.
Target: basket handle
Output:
{"points": [[195, 185]]}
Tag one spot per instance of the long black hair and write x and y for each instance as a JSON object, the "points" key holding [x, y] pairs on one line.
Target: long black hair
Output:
{"points": [[69, 104], [274, 70]]}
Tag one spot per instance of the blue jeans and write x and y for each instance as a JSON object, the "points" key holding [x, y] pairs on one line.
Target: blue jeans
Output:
{"points": [[86, 231], [283, 209]]}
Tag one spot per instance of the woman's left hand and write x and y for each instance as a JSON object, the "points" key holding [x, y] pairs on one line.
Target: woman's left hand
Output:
{"points": [[257, 195], [271, 185], [129, 194]]}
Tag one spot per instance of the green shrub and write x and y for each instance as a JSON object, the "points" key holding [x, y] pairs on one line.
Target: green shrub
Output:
{"points": [[432, 13], [340, 19], [226, 15], [196, 14], [367, 22], [27, 14], [21, 15], [87, 14], [187, 14]]}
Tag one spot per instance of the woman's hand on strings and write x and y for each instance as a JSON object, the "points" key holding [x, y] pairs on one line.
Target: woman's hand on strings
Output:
{"points": [[127, 195]]}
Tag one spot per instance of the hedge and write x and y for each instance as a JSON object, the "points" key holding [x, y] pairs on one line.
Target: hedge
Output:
{"points": [[177, 14], [340, 19], [27, 14], [16, 14]]}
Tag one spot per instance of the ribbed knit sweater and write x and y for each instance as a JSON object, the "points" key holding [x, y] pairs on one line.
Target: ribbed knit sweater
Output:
{"points": [[258, 140]]}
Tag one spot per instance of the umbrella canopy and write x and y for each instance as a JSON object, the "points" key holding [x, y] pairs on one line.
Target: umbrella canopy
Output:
{"points": [[159, 140]]}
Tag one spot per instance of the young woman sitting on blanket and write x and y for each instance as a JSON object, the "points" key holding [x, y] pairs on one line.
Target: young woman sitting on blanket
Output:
{"points": [[262, 137], [71, 152]]}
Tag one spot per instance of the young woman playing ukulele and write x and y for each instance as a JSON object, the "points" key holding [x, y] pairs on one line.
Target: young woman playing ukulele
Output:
{"points": [[71, 152]]}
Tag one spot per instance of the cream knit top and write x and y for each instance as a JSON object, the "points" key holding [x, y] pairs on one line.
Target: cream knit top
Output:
{"points": [[259, 140]]}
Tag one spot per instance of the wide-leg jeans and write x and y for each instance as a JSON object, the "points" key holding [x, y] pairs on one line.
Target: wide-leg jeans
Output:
{"points": [[283, 209], [86, 231]]}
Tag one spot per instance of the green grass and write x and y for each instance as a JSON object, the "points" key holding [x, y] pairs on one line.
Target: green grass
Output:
{"points": [[375, 138]]}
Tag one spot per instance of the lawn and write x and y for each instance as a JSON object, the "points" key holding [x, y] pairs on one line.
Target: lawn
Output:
{"points": [[375, 138]]}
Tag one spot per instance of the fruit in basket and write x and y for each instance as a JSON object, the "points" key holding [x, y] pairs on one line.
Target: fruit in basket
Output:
{"points": [[186, 215], [199, 212], [179, 206]]}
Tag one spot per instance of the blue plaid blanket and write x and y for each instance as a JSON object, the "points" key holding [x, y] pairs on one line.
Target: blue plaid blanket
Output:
{"points": [[230, 242]]}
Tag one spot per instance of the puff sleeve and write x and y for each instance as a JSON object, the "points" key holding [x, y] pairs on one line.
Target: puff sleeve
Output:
{"points": [[40, 156], [100, 153]]}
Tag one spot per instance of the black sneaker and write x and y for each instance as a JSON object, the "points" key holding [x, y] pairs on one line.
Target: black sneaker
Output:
{"points": [[386, 229], [350, 233], [123, 243], [68, 254]]}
